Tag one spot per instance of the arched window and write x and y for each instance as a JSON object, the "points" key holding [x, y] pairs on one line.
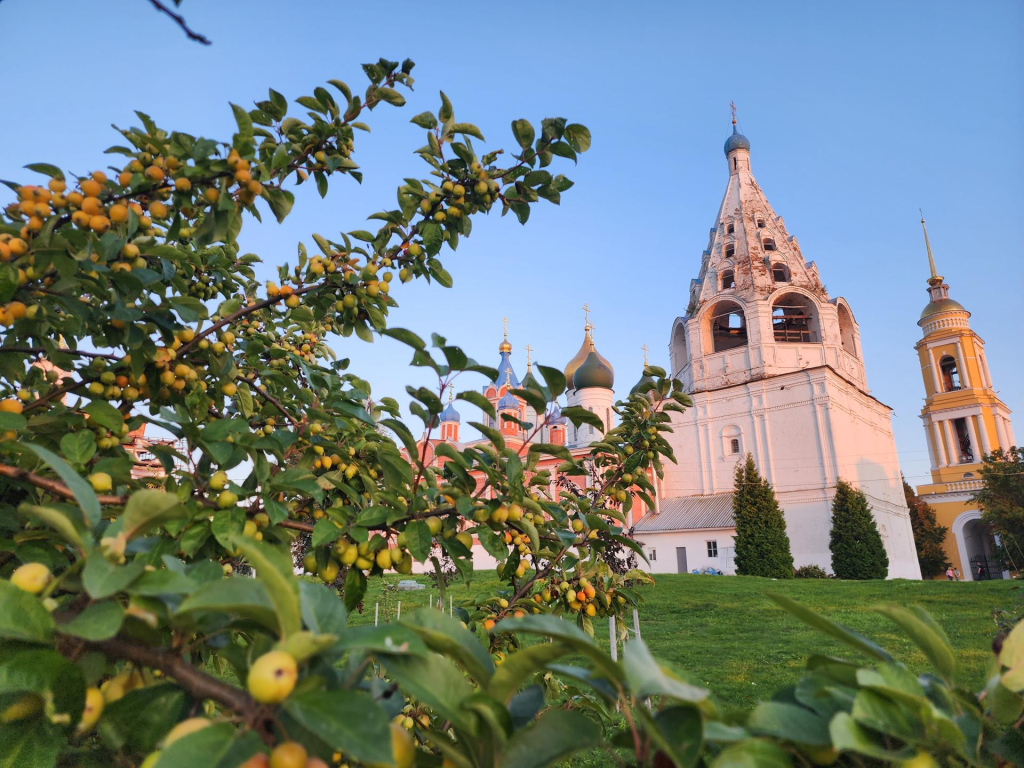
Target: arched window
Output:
{"points": [[731, 440], [950, 374], [963, 441], [769, 244], [680, 355], [730, 229], [734, 445], [780, 273], [760, 222], [730, 251], [728, 326], [728, 279], [794, 319], [847, 330]]}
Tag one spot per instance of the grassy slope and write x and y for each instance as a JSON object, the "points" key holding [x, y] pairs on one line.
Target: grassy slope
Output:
{"points": [[723, 631]]}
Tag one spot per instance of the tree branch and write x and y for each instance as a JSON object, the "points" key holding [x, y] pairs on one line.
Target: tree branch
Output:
{"points": [[52, 486], [180, 21]]}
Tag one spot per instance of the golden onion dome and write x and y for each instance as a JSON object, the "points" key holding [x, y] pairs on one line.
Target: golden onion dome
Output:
{"points": [[505, 346], [578, 359]]}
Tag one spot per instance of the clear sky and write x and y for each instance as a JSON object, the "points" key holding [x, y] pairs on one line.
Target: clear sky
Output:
{"points": [[858, 114]]}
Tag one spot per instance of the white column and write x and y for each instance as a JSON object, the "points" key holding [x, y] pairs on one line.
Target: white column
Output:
{"points": [[940, 449], [1001, 432], [1009, 431], [983, 362], [972, 433], [935, 374], [932, 456], [983, 433], [954, 447], [962, 363]]}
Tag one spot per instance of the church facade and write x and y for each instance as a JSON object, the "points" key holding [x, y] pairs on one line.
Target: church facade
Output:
{"points": [[775, 369]]}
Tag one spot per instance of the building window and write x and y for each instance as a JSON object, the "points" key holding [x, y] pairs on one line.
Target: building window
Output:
{"points": [[769, 244], [728, 279], [730, 251], [963, 439], [653, 555], [794, 319], [950, 374], [728, 326], [712, 549], [760, 223], [734, 445], [730, 229], [780, 274]]}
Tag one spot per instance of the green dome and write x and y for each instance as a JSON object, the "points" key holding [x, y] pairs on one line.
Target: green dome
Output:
{"points": [[643, 380], [593, 373], [942, 305]]}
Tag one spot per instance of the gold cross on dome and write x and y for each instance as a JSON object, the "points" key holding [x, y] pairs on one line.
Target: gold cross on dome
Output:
{"points": [[451, 393], [732, 106], [644, 348], [504, 322], [528, 349], [586, 315]]}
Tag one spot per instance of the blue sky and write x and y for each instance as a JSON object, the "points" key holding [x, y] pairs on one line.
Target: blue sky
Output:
{"points": [[857, 113]]}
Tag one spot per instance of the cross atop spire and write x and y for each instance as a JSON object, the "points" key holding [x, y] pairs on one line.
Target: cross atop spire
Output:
{"points": [[451, 393], [935, 276], [732, 106], [505, 346], [644, 348], [586, 316], [529, 364], [504, 323]]}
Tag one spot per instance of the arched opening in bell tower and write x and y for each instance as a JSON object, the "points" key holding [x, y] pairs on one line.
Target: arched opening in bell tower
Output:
{"points": [[847, 332], [794, 319], [950, 374], [728, 326]]}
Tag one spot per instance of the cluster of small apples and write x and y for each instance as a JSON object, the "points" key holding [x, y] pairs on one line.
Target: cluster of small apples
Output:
{"points": [[112, 385], [351, 554], [203, 284], [452, 200], [579, 596], [411, 716], [13, 311]]}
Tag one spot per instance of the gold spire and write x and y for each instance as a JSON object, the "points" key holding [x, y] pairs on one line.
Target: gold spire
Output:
{"points": [[505, 346], [935, 278], [644, 348], [529, 364]]}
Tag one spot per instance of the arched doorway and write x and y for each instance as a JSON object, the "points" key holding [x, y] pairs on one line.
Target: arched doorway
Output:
{"points": [[977, 548]]}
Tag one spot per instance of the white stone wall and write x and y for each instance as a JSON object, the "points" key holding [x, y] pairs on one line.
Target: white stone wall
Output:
{"points": [[664, 545], [598, 400]]}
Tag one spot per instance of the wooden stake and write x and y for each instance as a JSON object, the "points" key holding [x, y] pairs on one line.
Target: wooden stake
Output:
{"points": [[613, 638], [399, 611], [376, 613]]}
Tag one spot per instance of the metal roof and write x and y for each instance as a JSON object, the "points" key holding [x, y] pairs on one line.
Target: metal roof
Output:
{"points": [[689, 512]]}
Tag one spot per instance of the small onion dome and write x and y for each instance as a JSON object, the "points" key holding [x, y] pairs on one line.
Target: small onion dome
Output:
{"points": [[529, 379], [556, 415], [736, 141], [585, 349], [942, 305], [508, 403], [505, 346], [643, 380], [593, 373], [450, 414]]}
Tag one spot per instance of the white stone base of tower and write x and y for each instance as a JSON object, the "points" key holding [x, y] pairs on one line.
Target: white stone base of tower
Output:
{"points": [[806, 430]]}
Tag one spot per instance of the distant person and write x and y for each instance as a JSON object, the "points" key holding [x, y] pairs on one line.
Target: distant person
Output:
{"points": [[981, 572], [956, 572], [949, 573]]}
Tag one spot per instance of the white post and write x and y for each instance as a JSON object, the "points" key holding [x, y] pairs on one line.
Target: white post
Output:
{"points": [[962, 362], [376, 613], [1001, 432], [399, 611], [612, 637], [636, 624], [935, 375], [986, 448], [451, 606], [430, 600], [954, 445]]}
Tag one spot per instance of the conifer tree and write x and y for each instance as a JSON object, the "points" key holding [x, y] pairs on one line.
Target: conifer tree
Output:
{"points": [[857, 549], [762, 545], [928, 534]]}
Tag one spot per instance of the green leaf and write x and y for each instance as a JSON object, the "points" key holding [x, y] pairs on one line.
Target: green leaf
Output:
{"points": [[578, 137], [446, 635], [520, 666], [789, 722], [243, 120], [843, 634], [446, 112], [22, 616], [647, 678], [103, 579], [418, 539], [554, 378], [522, 130], [141, 718], [279, 200], [682, 734], [105, 415], [346, 721], [324, 532], [433, 680], [550, 739], [57, 520], [425, 120], [274, 569], [36, 743], [48, 674], [78, 447], [203, 747], [579, 415], [1012, 657], [849, 736], [236, 595], [355, 588], [100, 621], [148, 509], [753, 753], [46, 169], [477, 399], [322, 611], [84, 494], [391, 96], [926, 635], [11, 422], [406, 337]]}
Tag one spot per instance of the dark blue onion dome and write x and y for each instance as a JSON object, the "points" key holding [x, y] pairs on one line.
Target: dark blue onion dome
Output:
{"points": [[643, 380], [736, 141], [593, 373], [450, 414], [556, 416], [529, 379], [506, 375], [508, 403]]}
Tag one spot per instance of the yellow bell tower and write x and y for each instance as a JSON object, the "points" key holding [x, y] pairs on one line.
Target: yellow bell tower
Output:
{"points": [[963, 419]]}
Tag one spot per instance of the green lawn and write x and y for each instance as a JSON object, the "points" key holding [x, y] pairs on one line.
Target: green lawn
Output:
{"points": [[723, 631]]}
